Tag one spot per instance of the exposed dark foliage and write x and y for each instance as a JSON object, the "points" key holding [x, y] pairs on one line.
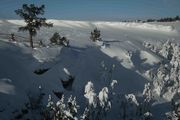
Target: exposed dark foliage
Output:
{"points": [[58, 40], [95, 35], [58, 94], [41, 71], [166, 19], [67, 84]]}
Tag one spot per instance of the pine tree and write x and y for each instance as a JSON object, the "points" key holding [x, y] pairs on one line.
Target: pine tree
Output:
{"points": [[30, 14]]}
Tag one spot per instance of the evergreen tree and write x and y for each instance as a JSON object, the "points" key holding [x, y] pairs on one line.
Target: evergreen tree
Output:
{"points": [[30, 14]]}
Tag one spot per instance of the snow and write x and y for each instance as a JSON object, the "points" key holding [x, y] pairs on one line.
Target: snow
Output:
{"points": [[113, 83], [6, 87], [122, 45], [46, 54], [131, 25], [149, 58], [132, 98], [66, 71], [103, 96]]}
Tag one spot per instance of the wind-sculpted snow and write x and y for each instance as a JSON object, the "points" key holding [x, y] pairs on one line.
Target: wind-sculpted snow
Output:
{"points": [[140, 26], [46, 54], [107, 25], [6, 87]]}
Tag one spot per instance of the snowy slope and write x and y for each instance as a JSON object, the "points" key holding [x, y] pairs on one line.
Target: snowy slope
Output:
{"points": [[123, 47]]}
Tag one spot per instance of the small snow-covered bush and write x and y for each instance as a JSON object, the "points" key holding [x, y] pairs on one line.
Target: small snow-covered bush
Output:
{"points": [[61, 110], [58, 40], [90, 95], [98, 105], [95, 35], [55, 38]]}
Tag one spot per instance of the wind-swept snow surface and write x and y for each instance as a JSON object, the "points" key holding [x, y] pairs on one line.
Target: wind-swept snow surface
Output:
{"points": [[129, 56]]}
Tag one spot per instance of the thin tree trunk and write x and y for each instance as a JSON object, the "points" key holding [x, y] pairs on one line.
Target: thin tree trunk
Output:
{"points": [[31, 40]]}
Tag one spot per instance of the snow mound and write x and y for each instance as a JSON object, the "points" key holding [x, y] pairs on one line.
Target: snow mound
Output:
{"points": [[46, 54], [6, 87]]}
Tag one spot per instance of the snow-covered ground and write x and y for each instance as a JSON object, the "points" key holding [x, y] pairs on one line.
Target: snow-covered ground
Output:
{"points": [[124, 49]]}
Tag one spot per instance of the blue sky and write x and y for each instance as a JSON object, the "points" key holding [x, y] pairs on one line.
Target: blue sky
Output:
{"points": [[96, 9]]}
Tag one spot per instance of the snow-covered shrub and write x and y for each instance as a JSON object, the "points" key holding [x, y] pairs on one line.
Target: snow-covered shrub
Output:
{"points": [[113, 83], [55, 38], [171, 116], [147, 99], [95, 35], [103, 99], [167, 50], [136, 109], [86, 114], [58, 40], [150, 46], [90, 95], [166, 76], [148, 116], [72, 107], [61, 110], [98, 105], [147, 92], [174, 114], [41, 44], [176, 104]]}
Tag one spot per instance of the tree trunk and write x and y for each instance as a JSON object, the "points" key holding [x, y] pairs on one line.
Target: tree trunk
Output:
{"points": [[31, 40]]}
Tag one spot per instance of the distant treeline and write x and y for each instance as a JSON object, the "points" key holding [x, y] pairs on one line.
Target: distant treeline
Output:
{"points": [[165, 19]]}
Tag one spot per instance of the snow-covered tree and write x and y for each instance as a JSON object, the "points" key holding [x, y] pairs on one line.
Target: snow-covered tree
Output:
{"points": [[171, 116], [61, 110], [147, 98], [148, 116], [90, 95], [98, 105], [167, 50], [86, 114], [30, 14], [166, 75], [72, 106]]}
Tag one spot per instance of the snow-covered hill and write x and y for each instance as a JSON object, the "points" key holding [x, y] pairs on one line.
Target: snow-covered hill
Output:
{"points": [[133, 50]]}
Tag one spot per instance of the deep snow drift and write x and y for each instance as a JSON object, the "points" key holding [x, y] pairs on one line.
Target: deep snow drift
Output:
{"points": [[130, 47]]}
